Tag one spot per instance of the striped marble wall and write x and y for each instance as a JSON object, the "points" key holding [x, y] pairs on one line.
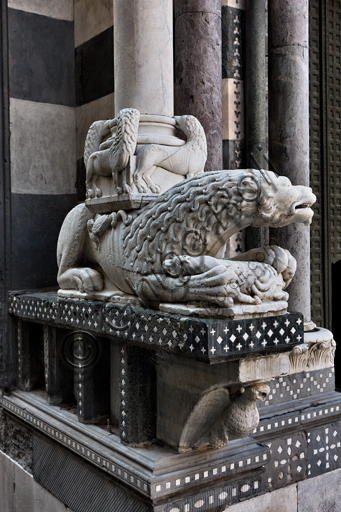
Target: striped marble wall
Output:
{"points": [[233, 44], [233, 69], [94, 67], [61, 73], [42, 134]]}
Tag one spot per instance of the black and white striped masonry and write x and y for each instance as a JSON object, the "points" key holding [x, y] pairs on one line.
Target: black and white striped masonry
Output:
{"points": [[233, 48]]}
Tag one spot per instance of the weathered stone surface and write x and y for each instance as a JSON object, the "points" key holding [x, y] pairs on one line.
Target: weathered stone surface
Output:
{"points": [[49, 166], [91, 18], [283, 500], [141, 159], [239, 4], [184, 385], [7, 485], [263, 368], [198, 85], [175, 257], [191, 6], [291, 22], [321, 493], [91, 58], [16, 441], [137, 391], [143, 56], [20, 492]]}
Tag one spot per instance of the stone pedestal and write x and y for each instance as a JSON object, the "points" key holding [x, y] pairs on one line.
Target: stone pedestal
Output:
{"points": [[161, 367]]}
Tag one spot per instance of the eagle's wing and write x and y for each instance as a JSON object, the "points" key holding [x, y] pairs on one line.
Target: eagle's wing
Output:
{"points": [[209, 407]]}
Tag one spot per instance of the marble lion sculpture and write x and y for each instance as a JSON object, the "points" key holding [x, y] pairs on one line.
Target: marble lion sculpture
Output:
{"points": [[172, 249], [109, 157]]}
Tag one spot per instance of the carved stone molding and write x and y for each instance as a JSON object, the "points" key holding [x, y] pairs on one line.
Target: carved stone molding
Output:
{"points": [[317, 352]]}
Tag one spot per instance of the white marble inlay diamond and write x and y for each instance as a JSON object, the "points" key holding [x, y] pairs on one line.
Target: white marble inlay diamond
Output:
{"points": [[219, 340]]}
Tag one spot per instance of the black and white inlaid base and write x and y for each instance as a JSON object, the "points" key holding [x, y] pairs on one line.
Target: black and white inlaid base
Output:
{"points": [[206, 339]]}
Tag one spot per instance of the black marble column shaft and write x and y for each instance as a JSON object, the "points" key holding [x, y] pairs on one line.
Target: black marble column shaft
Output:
{"points": [[198, 76], [255, 102]]}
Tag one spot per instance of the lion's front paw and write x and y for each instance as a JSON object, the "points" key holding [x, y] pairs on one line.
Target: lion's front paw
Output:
{"points": [[85, 280], [155, 189], [140, 187]]}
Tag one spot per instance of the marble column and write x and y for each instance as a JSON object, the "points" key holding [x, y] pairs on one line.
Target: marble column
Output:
{"points": [[289, 128], [198, 64], [143, 56]]}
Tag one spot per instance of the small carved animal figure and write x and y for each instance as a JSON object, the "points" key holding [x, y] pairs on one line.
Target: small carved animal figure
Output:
{"points": [[220, 416], [112, 156], [187, 160], [240, 418]]}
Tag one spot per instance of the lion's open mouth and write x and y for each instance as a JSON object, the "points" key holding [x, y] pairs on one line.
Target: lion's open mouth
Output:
{"points": [[302, 210], [299, 206]]}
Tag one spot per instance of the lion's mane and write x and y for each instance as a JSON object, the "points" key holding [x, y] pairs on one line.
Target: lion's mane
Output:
{"points": [[179, 221]]}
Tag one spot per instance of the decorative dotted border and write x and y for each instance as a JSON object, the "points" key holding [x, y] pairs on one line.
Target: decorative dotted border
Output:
{"points": [[220, 471], [292, 387], [206, 338], [220, 496], [296, 419]]}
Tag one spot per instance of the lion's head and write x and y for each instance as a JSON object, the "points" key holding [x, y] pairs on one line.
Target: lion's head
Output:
{"points": [[279, 202]]}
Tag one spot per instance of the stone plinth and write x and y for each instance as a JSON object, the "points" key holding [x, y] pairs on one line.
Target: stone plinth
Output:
{"points": [[162, 368], [210, 340]]}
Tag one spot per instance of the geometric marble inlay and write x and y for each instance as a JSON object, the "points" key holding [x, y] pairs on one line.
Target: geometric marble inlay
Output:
{"points": [[288, 461], [324, 449]]}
